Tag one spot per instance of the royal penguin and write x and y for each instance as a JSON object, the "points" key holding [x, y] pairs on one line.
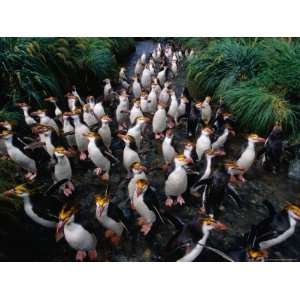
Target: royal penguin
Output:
{"points": [[107, 89], [135, 111], [136, 88], [181, 109], [136, 130], [174, 67], [89, 116], [76, 227], [58, 112], [46, 120], [122, 110], [146, 78], [74, 92], [18, 156], [138, 171], [138, 68], [63, 170], [188, 242], [95, 151], [111, 217], [248, 155], [164, 96], [105, 132], [29, 120], [157, 87], [276, 228], [206, 111], [98, 109], [130, 154], [152, 99], [159, 121], [40, 204], [145, 103], [172, 110], [177, 182], [68, 129], [143, 58], [168, 149], [123, 79], [221, 140], [80, 130], [162, 76], [203, 142], [146, 205]]}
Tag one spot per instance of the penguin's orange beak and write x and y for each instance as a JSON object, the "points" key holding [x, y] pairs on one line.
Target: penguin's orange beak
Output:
{"points": [[220, 226]]}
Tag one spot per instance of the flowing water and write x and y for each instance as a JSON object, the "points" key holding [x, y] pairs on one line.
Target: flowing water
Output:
{"points": [[260, 186]]}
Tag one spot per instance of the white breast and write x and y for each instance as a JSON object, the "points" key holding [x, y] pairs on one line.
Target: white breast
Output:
{"points": [[62, 169], [168, 151], [203, 144], [142, 209], [109, 223], [176, 184], [133, 180], [159, 122], [129, 157], [97, 157]]}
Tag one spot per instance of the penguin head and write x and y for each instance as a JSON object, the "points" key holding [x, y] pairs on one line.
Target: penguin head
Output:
{"points": [[128, 139], [76, 113], [169, 134], [184, 100], [42, 129], [209, 223], [106, 119], [91, 135], [39, 113], [232, 166], [6, 134], [7, 125], [181, 160], [106, 81], [142, 120], [87, 108], [230, 129], [67, 115], [141, 186], [51, 99], [23, 105], [207, 131], [136, 103], [207, 99], [255, 138], [254, 255], [60, 151], [294, 211], [137, 168], [199, 105], [214, 152], [66, 215], [189, 146], [18, 191], [101, 201]]}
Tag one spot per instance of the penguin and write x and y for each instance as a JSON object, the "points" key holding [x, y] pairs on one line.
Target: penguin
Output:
{"points": [[26, 111], [146, 78], [273, 149], [80, 130], [168, 149], [152, 99], [105, 132], [203, 142], [216, 188], [99, 111], [152, 67], [173, 106], [111, 217], [18, 156], [40, 205], [221, 140], [174, 67], [135, 111], [72, 102], [58, 112], [136, 88], [122, 110], [138, 171], [164, 96], [248, 155], [76, 95], [159, 121], [161, 76], [89, 116], [176, 183], [91, 101], [138, 68], [206, 111], [188, 242], [123, 79], [136, 130], [68, 129], [107, 90], [157, 87], [63, 170], [145, 104], [130, 154], [46, 120], [181, 109], [146, 205], [275, 229], [143, 58], [76, 227], [95, 148]]}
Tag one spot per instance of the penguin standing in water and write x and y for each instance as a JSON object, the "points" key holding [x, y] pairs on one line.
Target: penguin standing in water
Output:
{"points": [[111, 217], [76, 227], [275, 229], [190, 239], [159, 121], [95, 148], [18, 156], [146, 204], [63, 170], [176, 183], [80, 130]]}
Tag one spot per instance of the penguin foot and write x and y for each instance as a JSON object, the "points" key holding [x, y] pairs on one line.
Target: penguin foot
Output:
{"points": [[146, 228], [180, 200], [93, 255], [30, 175], [141, 221], [80, 255], [70, 185], [67, 191], [82, 156], [157, 136], [169, 202], [171, 124]]}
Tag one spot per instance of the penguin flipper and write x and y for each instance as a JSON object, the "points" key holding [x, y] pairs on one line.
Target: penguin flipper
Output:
{"points": [[233, 194], [176, 221], [54, 187], [270, 207]]}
